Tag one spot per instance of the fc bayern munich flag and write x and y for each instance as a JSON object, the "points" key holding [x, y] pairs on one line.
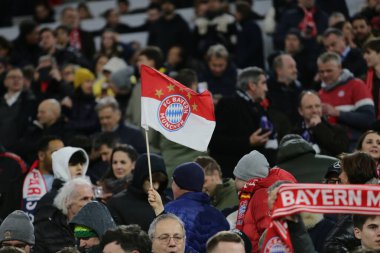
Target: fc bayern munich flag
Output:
{"points": [[179, 113]]}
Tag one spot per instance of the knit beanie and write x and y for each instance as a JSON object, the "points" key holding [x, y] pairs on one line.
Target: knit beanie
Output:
{"points": [[81, 75], [17, 226], [189, 176], [252, 165]]}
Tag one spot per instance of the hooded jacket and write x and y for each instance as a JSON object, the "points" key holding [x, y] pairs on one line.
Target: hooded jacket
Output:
{"points": [[131, 206], [257, 216], [95, 216], [354, 102], [298, 157], [60, 160]]}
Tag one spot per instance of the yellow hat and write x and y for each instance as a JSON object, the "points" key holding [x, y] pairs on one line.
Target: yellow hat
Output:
{"points": [[81, 75]]}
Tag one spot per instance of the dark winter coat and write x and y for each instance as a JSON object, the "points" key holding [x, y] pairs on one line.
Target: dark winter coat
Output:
{"points": [[236, 119], [298, 157], [131, 206], [52, 230], [331, 139], [201, 219], [342, 238]]}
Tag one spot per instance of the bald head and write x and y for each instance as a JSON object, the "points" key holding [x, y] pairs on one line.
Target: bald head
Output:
{"points": [[49, 112]]}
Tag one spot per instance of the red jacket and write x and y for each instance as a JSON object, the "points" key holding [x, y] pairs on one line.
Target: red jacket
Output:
{"points": [[257, 216]]}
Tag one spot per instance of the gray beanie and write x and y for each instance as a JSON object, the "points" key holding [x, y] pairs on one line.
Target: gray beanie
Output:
{"points": [[17, 226], [252, 165]]}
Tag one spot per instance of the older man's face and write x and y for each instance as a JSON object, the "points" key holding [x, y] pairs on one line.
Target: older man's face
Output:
{"points": [[84, 195], [46, 115], [329, 72], [169, 237], [109, 118]]}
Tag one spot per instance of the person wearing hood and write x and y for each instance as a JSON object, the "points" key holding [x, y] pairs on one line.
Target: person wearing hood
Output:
{"points": [[298, 157], [345, 100], [131, 206], [68, 163], [252, 217], [90, 224]]}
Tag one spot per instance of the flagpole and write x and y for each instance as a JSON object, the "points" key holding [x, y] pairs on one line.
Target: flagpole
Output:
{"points": [[149, 164]]}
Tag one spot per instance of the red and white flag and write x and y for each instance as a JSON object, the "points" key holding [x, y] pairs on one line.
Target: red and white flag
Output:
{"points": [[179, 113]]}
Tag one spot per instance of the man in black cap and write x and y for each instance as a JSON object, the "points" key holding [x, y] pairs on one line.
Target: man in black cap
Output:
{"points": [[17, 231], [192, 206]]}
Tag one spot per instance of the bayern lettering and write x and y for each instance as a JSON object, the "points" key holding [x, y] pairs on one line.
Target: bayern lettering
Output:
{"points": [[330, 197]]}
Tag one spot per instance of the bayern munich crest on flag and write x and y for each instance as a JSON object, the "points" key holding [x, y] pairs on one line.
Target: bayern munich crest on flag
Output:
{"points": [[275, 245], [173, 112]]}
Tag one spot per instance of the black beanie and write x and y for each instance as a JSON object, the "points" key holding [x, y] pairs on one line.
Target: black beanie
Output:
{"points": [[189, 176]]}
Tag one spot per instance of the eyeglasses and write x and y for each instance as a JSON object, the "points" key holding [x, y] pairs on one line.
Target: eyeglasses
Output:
{"points": [[16, 245], [166, 238]]}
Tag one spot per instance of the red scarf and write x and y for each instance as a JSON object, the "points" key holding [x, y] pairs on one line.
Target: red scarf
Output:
{"points": [[317, 198], [308, 27], [245, 196], [33, 189]]}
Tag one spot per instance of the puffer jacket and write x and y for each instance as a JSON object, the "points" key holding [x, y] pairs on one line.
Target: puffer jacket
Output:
{"points": [[257, 216], [201, 219]]}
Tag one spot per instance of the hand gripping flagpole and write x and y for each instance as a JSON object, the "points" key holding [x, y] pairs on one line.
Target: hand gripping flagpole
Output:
{"points": [[149, 164]]}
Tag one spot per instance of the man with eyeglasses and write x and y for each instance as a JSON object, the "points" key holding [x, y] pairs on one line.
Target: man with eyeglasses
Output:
{"points": [[168, 234], [17, 231]]}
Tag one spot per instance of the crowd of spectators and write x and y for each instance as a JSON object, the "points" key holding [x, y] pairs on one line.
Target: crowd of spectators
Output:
{"points": [[70, 133]]}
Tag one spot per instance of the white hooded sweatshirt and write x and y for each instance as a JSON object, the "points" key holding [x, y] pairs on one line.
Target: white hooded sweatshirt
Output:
{"points": [[60, 160]]}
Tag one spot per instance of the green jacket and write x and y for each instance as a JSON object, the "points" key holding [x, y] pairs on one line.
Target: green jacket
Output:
{"points": [[225, 195]]}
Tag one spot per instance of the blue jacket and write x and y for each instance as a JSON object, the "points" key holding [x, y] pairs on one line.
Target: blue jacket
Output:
{"points": [[201, 219]]}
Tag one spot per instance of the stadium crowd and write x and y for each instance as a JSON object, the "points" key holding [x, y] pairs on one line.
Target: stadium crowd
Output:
{"points": [[73, 156]]}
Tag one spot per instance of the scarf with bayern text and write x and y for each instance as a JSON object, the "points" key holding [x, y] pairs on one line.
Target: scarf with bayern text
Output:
{"points": [[316, 198]]}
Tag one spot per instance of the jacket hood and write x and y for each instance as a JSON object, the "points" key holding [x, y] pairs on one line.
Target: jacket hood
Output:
{"points": [[293, 148], [343, 78], [141, 172], [60, 160], [96, 216], [275, 174]]}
